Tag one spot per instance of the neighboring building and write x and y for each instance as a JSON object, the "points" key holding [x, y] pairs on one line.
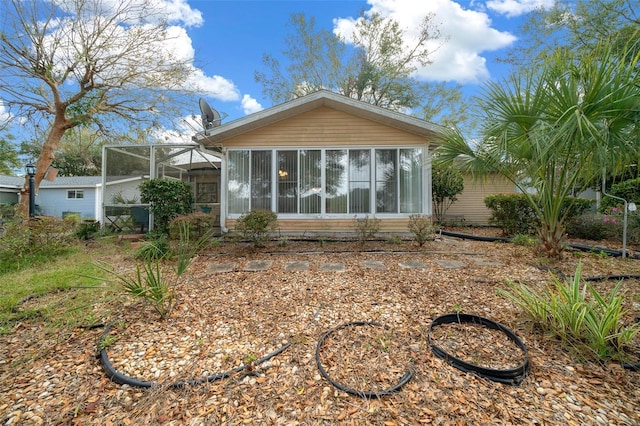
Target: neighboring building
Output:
{"points": [[78, 195], [470, 208], [320, 160], [10, 187]]}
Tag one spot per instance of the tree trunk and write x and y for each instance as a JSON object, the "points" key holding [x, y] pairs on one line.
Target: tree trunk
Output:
{"points": [[44, 161], [551, 239]]}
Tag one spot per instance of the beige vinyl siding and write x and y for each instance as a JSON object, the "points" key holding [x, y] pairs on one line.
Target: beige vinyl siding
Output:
{"points": [[470, 204], [327, 226], [324, 127]]}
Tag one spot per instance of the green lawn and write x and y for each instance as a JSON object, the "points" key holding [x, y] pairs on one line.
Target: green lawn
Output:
{"points": [[73, 298]]}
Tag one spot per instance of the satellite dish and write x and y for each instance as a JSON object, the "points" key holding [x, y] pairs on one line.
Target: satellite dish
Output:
{"points": [[210, 117]]}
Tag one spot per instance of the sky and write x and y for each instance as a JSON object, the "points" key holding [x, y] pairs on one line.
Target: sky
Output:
{"points": [[230, 37], [225, 41]]}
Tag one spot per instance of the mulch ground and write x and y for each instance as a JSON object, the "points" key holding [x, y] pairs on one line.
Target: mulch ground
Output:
{"points": [[224, 321]]}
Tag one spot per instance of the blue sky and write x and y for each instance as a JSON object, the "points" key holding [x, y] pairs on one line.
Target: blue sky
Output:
{"points": [[230, 37], [225, 41]]}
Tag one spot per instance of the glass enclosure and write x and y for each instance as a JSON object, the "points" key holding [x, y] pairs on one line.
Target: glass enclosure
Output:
{"points": [[125, 167]]}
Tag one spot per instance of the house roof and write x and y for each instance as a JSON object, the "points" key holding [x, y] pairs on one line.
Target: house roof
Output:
{"points": [[213, 138], [60, 182], [72, 181], [11, 181]]}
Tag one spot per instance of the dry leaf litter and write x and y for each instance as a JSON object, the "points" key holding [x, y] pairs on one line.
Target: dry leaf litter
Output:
{"points": [[236, 306]]}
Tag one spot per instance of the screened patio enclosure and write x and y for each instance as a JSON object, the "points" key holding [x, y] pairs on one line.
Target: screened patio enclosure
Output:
{"points": [[125, 167]]}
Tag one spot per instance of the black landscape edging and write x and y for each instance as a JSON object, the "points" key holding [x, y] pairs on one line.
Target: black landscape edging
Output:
{"points": [[512, 376], [363, 394], [123, 379]]}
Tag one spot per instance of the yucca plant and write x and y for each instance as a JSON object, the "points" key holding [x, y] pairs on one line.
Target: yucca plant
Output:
{"points": [[576, 313], [147, 283], [187, 248], [568, 307], [530, 302], [155, 249], [605, 333]]}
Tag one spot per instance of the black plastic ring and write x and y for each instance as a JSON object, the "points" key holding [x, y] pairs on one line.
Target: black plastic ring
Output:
{"points": [[512, 376], [123, 379], [363, 394]]}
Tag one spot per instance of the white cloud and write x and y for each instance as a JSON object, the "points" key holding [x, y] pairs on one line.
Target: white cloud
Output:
{"points": [[178, 45], [512, 8], [214, 86], [469, 34], [4, 114], [179, 11], [250, 105], [150, 11]]}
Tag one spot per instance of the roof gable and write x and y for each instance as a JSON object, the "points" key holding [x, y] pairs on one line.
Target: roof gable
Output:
{"points": [[214, 137]]}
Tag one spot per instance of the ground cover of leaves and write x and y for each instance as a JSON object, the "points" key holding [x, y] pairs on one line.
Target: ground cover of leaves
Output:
{"points": [[223, 320]]}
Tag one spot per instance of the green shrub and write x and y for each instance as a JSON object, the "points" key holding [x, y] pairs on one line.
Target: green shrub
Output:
{"points": [[167, 199], [447, 183], [365, 228], [256, 225], [578, 315], [37, 239], [199, 224], [87, 230], [8, 211], [513, 213], [628, 190], [50, 233], [591, 227], [422, 228], [15, 243], [525, 240]]}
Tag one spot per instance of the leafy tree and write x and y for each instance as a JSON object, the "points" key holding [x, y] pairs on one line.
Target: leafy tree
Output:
{"points": [[376, 67], [316, 59], [578, 26], [9, 160], [446, 183], [553, 129], [91, 63], [445, 104], [79, 152]]}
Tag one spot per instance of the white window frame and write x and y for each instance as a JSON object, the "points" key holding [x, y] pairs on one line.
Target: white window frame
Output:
{"points": [[75, 194], [372, 180]]}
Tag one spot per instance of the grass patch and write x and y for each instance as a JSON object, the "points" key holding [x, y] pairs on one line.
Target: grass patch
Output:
{"points": [[71, 298]]}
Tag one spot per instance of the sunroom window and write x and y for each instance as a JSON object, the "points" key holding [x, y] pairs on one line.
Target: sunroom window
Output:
{"points": [[261, 180], [326, 181], [310, 181], [287, 182], [386, 181], [359, 180]]}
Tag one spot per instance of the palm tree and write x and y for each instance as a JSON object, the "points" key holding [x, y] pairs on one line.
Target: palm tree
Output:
{"points": [[553, 130]]}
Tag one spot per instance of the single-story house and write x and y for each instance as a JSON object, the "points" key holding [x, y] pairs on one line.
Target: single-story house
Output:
{"points": [[321, 160], [10, 187], [318, 161], [65, 195]]}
